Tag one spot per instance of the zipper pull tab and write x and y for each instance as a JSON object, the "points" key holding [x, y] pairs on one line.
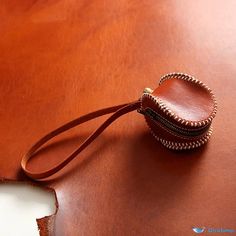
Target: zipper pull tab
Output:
{"points": [[147, 90]]}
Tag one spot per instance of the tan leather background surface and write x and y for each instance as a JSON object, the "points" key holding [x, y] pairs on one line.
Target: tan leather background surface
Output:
{"points": [[61, 59]]}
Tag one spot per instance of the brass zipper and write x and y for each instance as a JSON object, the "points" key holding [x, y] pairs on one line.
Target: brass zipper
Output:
{"points": [[173, 127]]}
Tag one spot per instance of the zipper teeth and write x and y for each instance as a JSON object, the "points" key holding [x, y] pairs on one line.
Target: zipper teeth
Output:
{"points": [[178, 130], [183, 145]]}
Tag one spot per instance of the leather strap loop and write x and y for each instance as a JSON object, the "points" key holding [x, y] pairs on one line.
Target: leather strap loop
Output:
{"points": [[117, 110]]}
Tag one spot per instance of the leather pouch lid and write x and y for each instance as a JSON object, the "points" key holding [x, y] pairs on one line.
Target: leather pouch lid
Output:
{"points": [[182, 100]]}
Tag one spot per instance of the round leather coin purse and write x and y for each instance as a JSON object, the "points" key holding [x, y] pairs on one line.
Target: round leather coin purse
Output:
{"points": [[179, 113]]}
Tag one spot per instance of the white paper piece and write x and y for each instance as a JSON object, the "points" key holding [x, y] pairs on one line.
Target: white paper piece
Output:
{"points": [[20, 205]]}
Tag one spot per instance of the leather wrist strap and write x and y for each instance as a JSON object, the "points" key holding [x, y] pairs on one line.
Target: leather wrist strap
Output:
{"points": [[117, 110]]}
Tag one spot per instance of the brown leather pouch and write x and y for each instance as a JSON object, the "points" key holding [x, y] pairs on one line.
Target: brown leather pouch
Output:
{"points": [[179, 113]]}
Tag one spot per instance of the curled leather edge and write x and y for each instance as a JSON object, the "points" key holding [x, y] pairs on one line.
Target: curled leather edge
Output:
{"points": [[45, 224]]}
